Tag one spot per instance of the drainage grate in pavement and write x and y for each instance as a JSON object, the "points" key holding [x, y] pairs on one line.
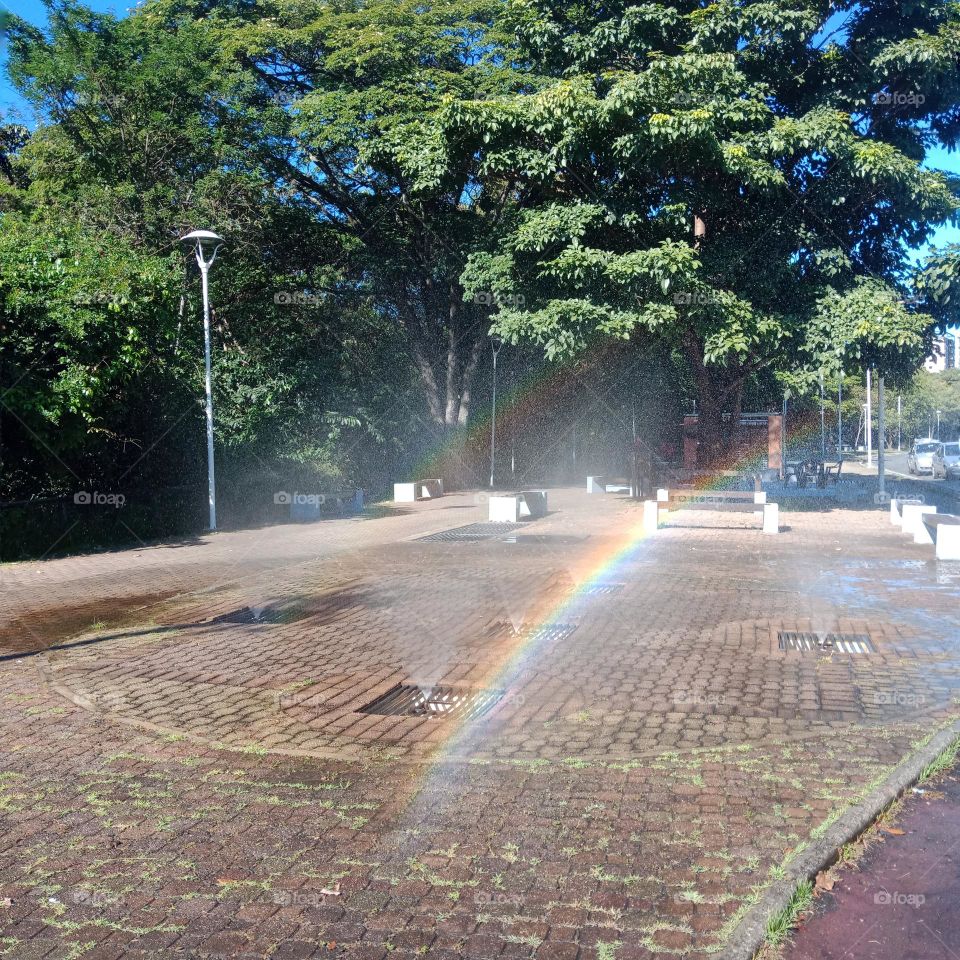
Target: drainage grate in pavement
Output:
{"points": [[549, 633], [409, 700], [254, 615], [471, 532], [825, 642], [556, 539], [602, 589]]}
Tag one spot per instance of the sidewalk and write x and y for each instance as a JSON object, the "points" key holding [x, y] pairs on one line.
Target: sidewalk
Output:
{"points": [[903, 899], [188, 784]]}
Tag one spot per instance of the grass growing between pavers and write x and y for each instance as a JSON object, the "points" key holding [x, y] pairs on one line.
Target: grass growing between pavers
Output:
{"points": [[604, 823], [154, 789]]}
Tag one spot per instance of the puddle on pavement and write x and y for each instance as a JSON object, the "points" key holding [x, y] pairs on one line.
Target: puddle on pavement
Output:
{"points": [[44, 628]]}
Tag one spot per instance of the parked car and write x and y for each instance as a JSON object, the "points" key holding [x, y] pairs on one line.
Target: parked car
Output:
{"points": [[946, 461], [920, 457]]}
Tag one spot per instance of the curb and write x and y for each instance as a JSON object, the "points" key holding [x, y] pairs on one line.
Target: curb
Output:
{"points": [[751, 933]]}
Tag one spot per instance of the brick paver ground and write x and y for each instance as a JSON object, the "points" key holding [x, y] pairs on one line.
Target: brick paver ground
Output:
{"points": [[178, 784]]}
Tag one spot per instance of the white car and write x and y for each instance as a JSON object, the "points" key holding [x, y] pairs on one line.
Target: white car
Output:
{"points": [[946, 461], [920, 457]]}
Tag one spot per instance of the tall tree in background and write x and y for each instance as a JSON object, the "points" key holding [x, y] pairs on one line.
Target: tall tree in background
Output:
{"points": [[134, 150], [340, 106], [741, 180]]}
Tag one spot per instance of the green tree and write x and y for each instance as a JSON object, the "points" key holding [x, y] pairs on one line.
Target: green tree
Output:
{"points": [[341, 106], [740, 181], [132, 153]]}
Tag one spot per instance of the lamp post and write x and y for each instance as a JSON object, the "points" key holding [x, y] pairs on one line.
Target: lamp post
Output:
{"points": [[881, 438], [496, 345], [899, 421], [938, 424], [840, 417], [823, 427], [205, 246]]}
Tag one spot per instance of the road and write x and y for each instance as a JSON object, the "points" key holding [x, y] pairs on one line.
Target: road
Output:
{"points": [[896, 467]]}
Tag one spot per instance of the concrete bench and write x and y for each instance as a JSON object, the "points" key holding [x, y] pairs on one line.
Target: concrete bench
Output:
{"points": [[603, 485], [418, 490], [310, 506], [711, 499], [514, 507], [731, 501], [913, 514], [943, 529], [896, 508]]}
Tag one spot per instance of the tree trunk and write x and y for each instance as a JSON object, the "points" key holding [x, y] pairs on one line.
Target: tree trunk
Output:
{"points": [[446, 350], [719, 391]]}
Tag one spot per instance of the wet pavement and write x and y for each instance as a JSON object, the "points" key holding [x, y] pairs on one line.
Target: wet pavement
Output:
{"points": [[902, 901], [212, 775]]}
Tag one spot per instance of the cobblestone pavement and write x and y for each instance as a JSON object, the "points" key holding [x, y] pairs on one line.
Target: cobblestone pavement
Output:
{"points": [[207, 775]]}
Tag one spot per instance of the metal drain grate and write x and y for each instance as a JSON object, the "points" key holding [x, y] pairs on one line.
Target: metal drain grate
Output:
{"points": [[602, 589], [825, 642], [551, 633], [471, 533], [409, 700], [253, 615], [547, 539]]}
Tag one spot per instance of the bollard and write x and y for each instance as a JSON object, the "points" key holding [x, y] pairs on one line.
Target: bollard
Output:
{"points": [[651, 516], [771, 518]]}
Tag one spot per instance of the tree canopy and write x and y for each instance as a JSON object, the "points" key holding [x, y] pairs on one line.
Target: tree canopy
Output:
{"points": [[731, 192]]}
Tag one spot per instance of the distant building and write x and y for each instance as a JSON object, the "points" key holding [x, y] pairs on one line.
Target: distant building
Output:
{"points": [[944, 354]]}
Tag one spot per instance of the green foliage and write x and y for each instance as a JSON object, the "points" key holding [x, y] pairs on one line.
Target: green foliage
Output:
{"points": [[809, 185], [395, 178]]}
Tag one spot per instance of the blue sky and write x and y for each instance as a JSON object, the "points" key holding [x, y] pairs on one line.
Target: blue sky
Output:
{"points": [[35, 11]]}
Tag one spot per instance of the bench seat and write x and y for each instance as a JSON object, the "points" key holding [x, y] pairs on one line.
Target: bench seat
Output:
{"points": [[418, 490], [514, 507], [943, 530]]}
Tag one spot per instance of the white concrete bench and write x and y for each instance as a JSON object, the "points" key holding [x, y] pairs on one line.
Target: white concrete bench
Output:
{"points": [[418, 490], [310, 506], [896, 508], [736, 501], [913, 514], [514, 507], [943, 529], [603, 485]]}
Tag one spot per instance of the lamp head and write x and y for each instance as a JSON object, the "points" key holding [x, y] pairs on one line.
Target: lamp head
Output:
{"points": [[203, 240]]}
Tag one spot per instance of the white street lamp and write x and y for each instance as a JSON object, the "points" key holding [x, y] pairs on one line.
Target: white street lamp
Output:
{"points": [[205, 246], [496, 345]]}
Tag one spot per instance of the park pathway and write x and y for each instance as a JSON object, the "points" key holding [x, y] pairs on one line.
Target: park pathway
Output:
{"points": [[195, 761]]}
